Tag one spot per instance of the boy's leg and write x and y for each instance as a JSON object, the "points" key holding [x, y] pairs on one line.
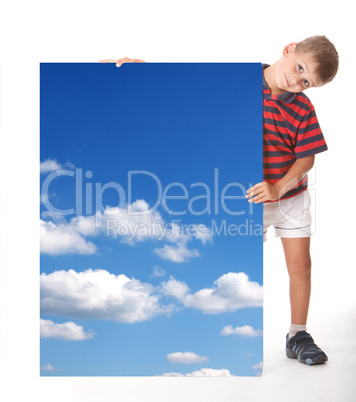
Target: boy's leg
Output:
{"points": [[300, 345], [297, 255]]}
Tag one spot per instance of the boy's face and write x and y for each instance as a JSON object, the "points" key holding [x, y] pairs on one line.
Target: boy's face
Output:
{"points": [[296, 72]]}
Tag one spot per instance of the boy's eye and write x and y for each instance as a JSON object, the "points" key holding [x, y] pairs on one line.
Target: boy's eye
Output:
{"points": [[300, 68]]}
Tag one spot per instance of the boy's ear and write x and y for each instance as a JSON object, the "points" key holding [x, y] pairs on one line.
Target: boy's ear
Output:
{"points": [[289, 48]]}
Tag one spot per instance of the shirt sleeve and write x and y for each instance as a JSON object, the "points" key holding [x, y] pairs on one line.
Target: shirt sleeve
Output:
{"points": [[309, 139]]}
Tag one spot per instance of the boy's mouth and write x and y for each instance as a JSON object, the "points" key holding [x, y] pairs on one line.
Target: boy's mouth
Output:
{"points": [[287, 82]]}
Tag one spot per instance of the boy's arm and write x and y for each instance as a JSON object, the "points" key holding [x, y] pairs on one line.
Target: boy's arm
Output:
{"points": [[264, 191], [119, 62]]}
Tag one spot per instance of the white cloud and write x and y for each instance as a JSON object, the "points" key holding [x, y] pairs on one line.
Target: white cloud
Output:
{"points": [[68, 331], [158, 272], [50, 165], [179, 253], [245, 331], [230, 292], [137, 222], [186, 358], [99, 294], [48, 367], [45, 197], [63, 239], [204, 372], [201, 232], [258, 367], [85, 225], [175, 288], [56, 218], [131, 224]]}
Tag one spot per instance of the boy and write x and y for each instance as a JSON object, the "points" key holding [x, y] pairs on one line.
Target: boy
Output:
{"points": [[291, 139]]}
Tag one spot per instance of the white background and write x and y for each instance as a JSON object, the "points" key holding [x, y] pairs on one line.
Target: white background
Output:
{"points": [[179, 31]]}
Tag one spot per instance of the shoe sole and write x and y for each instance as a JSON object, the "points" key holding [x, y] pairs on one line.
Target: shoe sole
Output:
{"points": [[317, 360]]}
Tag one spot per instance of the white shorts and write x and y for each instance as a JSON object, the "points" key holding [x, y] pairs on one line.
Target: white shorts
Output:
{"points": [[291, 217]]}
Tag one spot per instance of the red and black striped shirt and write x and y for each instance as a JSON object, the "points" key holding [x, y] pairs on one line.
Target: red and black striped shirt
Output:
{"points": [[290, 131]]}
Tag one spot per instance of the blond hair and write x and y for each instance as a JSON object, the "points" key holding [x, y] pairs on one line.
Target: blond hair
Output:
{"points": [[324, 53]]}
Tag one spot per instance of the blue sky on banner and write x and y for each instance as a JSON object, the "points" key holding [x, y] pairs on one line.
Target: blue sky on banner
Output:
{"points": [[151, 257]]}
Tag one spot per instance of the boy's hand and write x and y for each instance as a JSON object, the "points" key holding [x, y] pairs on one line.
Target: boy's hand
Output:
{"points": [[120, 62], [262, 192]]}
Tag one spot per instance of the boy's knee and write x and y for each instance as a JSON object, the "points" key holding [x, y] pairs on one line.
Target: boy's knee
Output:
{"points": [[301, 266]]}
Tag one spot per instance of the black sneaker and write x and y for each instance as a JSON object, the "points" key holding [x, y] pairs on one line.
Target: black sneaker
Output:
{"points": [[302, 347]]}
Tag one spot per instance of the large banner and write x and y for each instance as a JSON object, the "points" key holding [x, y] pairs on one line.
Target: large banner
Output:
{"points": [[151, 255]]}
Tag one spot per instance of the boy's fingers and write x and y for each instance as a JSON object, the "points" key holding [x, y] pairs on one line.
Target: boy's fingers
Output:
{"points": [[120, 62], [107, 61], [258, 199], [254, 187], [254, 192], [253, 198]]}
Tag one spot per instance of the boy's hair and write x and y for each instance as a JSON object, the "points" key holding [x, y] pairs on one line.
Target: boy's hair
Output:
{"points": [[324, 53]]}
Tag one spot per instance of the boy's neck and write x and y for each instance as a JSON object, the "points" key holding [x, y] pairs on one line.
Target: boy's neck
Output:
{"points": [[269, 77]]}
